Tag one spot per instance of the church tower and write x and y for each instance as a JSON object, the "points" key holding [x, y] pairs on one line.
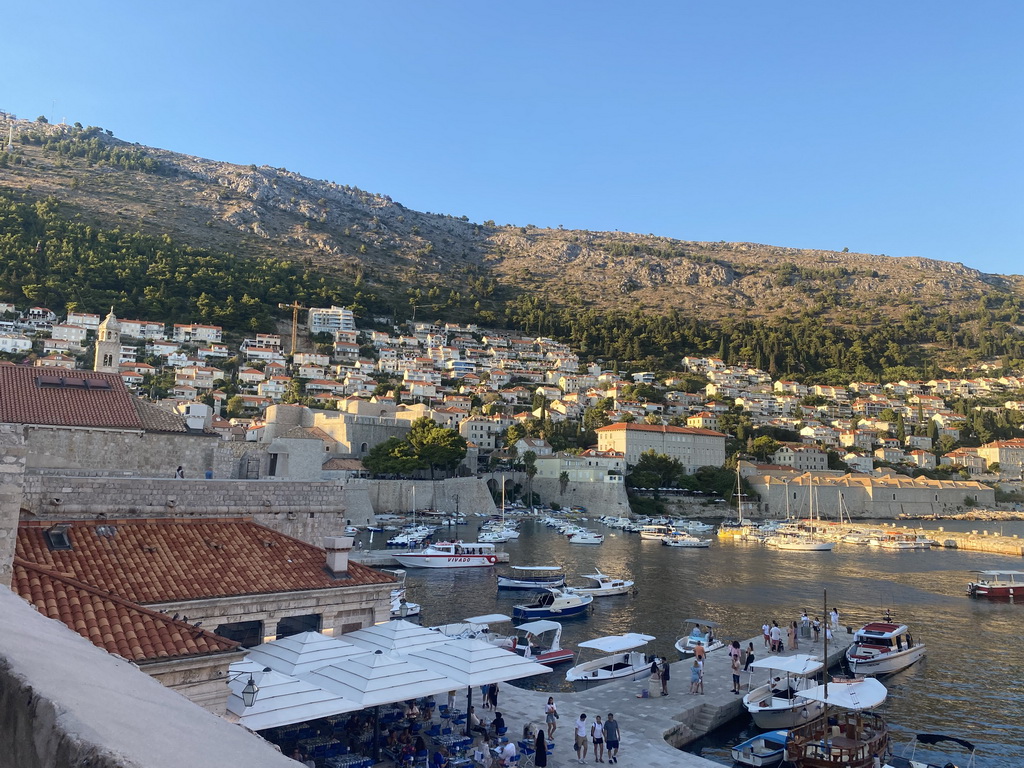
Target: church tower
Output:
{"points": [[108, 345]]}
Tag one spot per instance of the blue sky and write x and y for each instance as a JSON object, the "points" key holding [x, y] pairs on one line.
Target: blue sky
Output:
{"points": [[882, 127]]}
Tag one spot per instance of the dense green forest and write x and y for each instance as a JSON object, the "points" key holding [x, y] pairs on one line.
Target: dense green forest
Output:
{"points": [[54, 258]]}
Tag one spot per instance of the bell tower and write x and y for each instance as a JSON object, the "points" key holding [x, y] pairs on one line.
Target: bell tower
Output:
{"points": [[108, 345]]}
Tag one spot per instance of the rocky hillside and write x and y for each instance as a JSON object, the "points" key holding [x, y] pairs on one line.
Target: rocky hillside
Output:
{"points": [[259, 210]]}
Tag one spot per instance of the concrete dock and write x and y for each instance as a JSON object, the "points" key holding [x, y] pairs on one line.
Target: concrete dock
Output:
{"points": [[983, 539], [652, 729]]}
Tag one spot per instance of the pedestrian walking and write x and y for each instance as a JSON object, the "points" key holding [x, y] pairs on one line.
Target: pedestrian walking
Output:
{"points": [[665, 676], [597, 736], [654, 679], [699, 652], [805, 625], [551, 716], [795, 642], [581, 739], [750, 657], [743, 658], [766, 630], [816, 628], [790, 631], [694, 676], [835, 620], [485, 694], [492, 695], [179, 473], [611, 738], [776, 637], [735, 674]]}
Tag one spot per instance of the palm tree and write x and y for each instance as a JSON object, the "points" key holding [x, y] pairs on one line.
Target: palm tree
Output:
{"points": [[563, 482]]}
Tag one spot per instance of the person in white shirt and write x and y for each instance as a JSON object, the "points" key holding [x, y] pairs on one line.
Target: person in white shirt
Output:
{"points": [[597, 735], [508, 751], [581, 739]]}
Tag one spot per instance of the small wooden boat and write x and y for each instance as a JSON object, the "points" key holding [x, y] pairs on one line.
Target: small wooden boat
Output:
{"points": [[763, 749], [845, 735], [532, 577]]}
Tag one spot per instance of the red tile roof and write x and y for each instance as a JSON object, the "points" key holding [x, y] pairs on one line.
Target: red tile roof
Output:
{"points": [[36, 396], [167, 560], [110, 622]]}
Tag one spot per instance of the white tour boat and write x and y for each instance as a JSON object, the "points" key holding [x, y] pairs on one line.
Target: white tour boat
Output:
{"points": [[623, 661], [778, 703], [655, 532], [603, 586], [532, 577], [846, 734], [881, 648], [586, 537], [450, 554], [685, 541], [705, 636]]}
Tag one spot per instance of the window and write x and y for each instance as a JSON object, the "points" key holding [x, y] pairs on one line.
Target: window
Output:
{"points": [[294, 625], [248, 633]]}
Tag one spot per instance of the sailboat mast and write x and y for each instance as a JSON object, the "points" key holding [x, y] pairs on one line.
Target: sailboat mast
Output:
{"points": [[824, 655]]}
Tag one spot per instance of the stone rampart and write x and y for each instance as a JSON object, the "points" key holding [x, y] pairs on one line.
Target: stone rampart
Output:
{"points": [[468, 495], [12, 473], [65, 702]]}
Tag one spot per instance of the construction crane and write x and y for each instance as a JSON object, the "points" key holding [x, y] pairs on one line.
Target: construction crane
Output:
{"points": [[424, 306], [294, 307]]}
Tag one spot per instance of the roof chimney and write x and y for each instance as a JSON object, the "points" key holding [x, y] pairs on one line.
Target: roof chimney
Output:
{"points": [[338, 548]]}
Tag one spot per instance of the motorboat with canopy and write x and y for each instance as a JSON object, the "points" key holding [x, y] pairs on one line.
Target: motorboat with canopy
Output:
{"points": [[761, 750], [621, 659], [778, 703], [702, 632], [528, 643], [997, 585]]}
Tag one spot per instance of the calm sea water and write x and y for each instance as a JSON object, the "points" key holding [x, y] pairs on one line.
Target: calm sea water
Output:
{"points": [[969, 684]]}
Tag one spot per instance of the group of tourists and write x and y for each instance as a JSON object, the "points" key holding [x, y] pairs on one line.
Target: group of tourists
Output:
{"points": [[601, 734]]}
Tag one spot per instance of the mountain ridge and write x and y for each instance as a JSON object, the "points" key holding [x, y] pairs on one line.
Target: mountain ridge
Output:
{"points": [[377, 242]]}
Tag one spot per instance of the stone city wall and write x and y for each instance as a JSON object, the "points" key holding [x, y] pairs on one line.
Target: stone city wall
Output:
{"points": [[306, 510], [467, 494], [12, 473]]}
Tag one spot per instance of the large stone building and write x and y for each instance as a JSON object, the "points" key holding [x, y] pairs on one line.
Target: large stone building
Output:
{"points": [[802, 457], [1008, 453], [694, 448]]}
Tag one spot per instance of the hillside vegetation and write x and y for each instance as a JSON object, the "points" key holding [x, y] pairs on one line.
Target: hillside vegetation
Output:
{"points": [[91, 220]]}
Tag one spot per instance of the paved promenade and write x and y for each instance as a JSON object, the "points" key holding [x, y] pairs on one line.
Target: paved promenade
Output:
{"points": [[653, 728]]}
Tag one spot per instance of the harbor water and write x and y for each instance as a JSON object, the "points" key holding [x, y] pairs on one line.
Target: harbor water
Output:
{"points": [[968, 685]]}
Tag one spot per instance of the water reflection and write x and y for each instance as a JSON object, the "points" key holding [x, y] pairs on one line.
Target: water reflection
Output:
{"points": [[968, 685]]}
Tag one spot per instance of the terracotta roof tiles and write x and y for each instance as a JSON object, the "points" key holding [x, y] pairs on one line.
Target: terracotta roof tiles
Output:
{"points": [[168, 560], [65, 398], [110, 622]]}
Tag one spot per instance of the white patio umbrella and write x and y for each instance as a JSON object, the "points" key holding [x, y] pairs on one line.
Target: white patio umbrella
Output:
{"points": [[401, 636], [283, 700], [380, 677], [471, 662], [301, 653]]}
